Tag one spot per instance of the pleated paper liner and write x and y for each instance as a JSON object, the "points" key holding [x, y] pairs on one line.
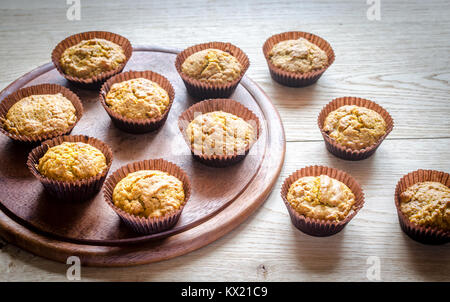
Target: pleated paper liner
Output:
{"points": [[16, 96], [137, 125], [320, 227], [144, 225], [95, 81], [345, 152], [201, 90], [79, 190], [226, 105], [423, 234], [294, 79]]}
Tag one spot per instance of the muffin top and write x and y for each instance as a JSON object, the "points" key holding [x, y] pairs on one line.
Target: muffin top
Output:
{"points": [[138, 99], [149, 193], [71, 161], [428, 204], [355, 127], [321, 197], [212, 66], [299, 56], [91, 57], [39, 115], [220, 133]]}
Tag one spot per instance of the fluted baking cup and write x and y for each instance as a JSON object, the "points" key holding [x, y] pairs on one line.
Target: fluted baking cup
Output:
{"points": [[201, 90], [226, 105], [144, 225], [16, 96], [294, 79], [95, 81], [78, 190], [137, 125], [321, 227], [345, 152], [420, 233]]}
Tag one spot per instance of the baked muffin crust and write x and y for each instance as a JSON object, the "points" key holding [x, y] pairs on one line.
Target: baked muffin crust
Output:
{"points": [[212, 66], [299, 56], [91, 57], [138, 98], [428, 204], [149, 193], [220, 133], [72, 161], [355, 127], [321, 197], [38, 115]]}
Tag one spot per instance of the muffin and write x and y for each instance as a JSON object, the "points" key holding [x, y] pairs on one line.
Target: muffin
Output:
{"points": [[298, 56], [212, 66], [72, 167], [211, 70], [40, 115], [321, 197], [91, 57], [427, 204], [321, 200], [72, 161], [355, 127], [220, 133], [149, 193], [138, 99]]}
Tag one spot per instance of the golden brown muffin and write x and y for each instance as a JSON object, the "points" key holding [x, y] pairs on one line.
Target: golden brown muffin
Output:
{"points": [[71, 162], [212, 66], [220, 133], [428, 204], [39, 115], [321, 197], [355, 127], [91, 57], [149, 193], [299, 56], [138, 99]]}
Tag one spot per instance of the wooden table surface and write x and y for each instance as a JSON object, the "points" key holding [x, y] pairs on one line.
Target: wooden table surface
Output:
{"points": [[401, 62]]}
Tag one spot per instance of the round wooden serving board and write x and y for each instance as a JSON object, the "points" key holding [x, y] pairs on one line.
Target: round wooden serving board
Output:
{"points": [[221, 198]]}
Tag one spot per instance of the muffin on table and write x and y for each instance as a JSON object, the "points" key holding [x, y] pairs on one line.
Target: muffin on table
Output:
{"points": [[212, 66], [321, 197], [298, 56], [72, 161], [427, 204], [149, 194], [138, 98], [220, 133], [40, 115], [355, 127], [91, 57]]}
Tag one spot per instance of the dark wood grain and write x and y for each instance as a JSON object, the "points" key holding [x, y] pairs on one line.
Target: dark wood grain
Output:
{"points": [[93, 223]]}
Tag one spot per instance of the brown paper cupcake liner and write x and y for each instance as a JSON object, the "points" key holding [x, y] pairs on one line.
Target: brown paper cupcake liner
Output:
{"points": [[16, 96], [320, 227], [144, 225], [345, 152], [79, 190], [201, 90], [293, 79], [226, 105], [137, 125], [423, 234], [95, 81]]}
